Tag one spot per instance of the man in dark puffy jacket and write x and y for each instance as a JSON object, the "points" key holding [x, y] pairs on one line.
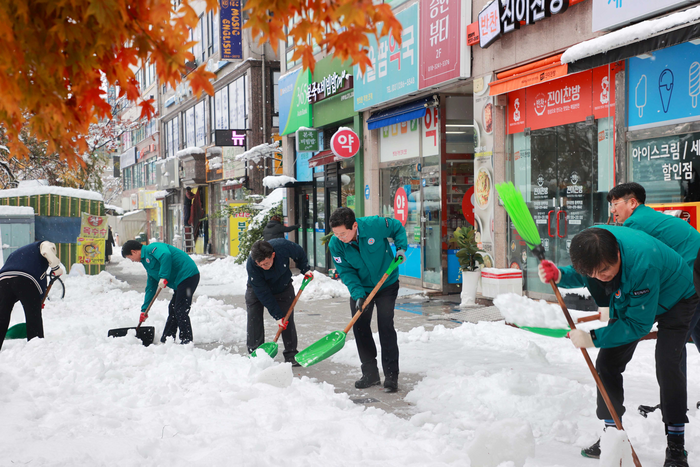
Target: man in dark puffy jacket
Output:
{"points": [[270, 286], [23, 279], [275, 229]]}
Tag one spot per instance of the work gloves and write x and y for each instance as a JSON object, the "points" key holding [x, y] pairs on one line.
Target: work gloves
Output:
{"points": [[400, 256], [162, 283], [56, 271], [309, 275], [604, 314], [282, 323], [359, 303], [548, 271], [581, 339], [143, 317]]}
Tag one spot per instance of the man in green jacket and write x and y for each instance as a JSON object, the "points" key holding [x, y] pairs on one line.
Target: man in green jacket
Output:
{"points": [[362, 254], [167, 265], [646, 282], [627, 205]]}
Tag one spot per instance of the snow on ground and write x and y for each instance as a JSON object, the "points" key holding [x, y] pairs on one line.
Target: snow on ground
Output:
{"points": [[486, 391]]}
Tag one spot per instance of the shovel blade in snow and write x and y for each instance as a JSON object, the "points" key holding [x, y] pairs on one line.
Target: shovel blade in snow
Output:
{"points": [[145, 333], [321, 349], [549, 332], [269, 348], [18, 331]]}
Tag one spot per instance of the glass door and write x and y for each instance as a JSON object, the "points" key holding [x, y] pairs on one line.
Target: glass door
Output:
{"points": [[431, 227], [320, 224], [305, 221]]}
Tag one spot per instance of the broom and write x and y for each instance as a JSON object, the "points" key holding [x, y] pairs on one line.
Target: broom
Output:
{"points": [[525, 225]]}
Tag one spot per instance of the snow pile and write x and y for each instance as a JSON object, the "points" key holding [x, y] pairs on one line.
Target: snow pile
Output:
{"points": [[276, 181], [260, 151], [189, 151], [34, 189], [615, 449], [16, 211], [222, 277], [523, 311], [321, 287], [508, 440]]}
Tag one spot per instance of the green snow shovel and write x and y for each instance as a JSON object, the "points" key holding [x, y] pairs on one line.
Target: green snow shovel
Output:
{"points": [[525, 225], [333, 342], [19, 331], [270, 348]]}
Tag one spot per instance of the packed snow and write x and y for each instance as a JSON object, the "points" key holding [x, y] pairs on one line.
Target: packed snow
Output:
{"points": [[487, 395], [524, 311], [34, 188], [276, 181], [16, 211]]}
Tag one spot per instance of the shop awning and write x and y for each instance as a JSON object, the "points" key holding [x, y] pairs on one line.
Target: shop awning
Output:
{"points": [[399, 114], [547, 69], [634, 40], [323, 158]]}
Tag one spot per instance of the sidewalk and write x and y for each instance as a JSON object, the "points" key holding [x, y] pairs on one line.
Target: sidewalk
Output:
{"points": [[316, 319]]}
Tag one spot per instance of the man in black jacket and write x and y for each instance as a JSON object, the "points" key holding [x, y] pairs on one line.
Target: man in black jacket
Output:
{"points": [[275, 229], [270, 286]]}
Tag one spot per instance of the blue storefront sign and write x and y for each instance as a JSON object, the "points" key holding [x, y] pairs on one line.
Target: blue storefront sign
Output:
{"points": [[394, 71], [230, 26], [295, 110], [664, 89]]}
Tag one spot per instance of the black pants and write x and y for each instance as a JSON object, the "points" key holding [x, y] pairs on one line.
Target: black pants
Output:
{"points": [[385, 301], [24, 290], [670, 344], [256, 327], [179, 311]]}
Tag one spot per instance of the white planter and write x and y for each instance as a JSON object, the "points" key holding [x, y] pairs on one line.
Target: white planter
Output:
{"points": [[470, 279]]}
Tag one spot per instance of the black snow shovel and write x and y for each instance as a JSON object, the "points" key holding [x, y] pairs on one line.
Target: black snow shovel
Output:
{"points": [[145, 333]]}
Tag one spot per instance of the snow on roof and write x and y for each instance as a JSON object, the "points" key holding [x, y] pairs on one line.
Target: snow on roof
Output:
{"points": [[26, 189], [16, 211], [630, 34], [268, 203], [114, 208], [276, 181], [160, 194], [189, 151], [260, 151], [131, 213]]}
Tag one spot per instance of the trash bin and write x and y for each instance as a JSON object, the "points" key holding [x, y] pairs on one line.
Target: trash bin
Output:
{"points": [[142, 238]]}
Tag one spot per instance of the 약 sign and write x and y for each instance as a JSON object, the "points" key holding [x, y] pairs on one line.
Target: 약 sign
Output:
{"points": [[345, 143], [401, 206]]}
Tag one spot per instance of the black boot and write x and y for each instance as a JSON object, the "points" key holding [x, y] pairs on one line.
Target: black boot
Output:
{"points": [[676, 456], [391, 383], [368, 380], [592, 451]]}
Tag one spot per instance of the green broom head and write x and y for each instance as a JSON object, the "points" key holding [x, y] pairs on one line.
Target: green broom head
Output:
{"points": [[520, 215]]}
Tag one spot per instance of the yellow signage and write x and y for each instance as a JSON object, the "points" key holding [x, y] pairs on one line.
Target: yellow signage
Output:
{"points": [[93, 226], [91, 250]]}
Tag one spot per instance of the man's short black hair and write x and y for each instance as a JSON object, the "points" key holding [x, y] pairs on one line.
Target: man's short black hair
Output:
{"points": [[129, 246], [593, 249], [261, 250], [342, 216], [628, 190]]}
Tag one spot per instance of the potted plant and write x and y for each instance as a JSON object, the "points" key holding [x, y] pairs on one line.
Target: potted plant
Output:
{"points": [[470, 258]]}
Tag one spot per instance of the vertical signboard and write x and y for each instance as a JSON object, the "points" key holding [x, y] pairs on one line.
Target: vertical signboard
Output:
{"points": [[230, 26], [443, 41], [430, 143], [394, 71], [484, 193], [295, 110]]}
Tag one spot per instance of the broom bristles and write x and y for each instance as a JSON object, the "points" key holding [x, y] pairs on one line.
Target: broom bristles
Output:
{"points": [[519, 213]]}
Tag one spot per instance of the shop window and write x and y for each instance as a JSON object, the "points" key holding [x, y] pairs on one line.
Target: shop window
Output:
{"points": [[347, 190], [461, 136]]}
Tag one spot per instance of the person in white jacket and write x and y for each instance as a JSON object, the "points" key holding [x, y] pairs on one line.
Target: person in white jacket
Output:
{"points": [[23, 279]]}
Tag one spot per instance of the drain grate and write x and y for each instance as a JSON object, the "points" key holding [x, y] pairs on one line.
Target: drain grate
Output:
{"points": [[366, 400]]}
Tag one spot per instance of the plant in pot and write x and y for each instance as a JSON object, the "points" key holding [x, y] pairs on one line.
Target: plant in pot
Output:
{"points": [[470, 258]]}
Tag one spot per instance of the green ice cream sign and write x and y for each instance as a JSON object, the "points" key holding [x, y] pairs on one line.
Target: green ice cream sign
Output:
{"points": [[295, 110]]}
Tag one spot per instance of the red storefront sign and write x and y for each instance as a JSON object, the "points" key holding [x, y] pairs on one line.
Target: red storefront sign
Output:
{"points": [[440, 25], [401, 206], [604, 89], [345, 143], [516, 111]]}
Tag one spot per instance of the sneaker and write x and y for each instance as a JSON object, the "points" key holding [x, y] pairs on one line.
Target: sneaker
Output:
{"points": [[391, 383], [593, 451], [676, 456], [368, 381]]}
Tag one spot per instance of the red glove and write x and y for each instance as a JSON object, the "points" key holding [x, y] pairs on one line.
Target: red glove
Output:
{"points": [[548, 271], [309, 275], [143, 317], [282, 323]]}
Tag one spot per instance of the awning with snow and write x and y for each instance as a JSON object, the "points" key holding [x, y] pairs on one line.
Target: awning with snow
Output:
{"points": [[323, 158], [399, 114], [628, 42]]}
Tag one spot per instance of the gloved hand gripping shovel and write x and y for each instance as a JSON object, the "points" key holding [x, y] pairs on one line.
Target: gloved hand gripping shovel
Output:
{"points": [[145, 333], [270, 348], [19, 331], [522, 220], [333, 342]]}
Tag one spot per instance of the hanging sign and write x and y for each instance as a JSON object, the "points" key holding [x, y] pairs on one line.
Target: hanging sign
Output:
{"points": [[230, 18], [91, 250], [93, 226], [345, 143], [229, 138], [401, 206], [307, 140]]}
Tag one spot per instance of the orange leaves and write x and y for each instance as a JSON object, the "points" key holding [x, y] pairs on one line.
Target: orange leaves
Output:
{"points": [[54, 54], [348, 23]]}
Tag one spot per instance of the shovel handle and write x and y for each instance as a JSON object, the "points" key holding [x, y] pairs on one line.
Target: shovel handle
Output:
{"points": [[150, 304], [291, 308], [374, 291], [48, 288], [585, 319]]}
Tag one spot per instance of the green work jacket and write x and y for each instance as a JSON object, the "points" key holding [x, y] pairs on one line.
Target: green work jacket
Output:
{"points": [[163, 261]]}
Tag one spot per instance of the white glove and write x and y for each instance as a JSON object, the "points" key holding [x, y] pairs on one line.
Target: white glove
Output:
{"points": [[580, 339], [604, 314], [282, 323], [162, 283], [57, 271]]}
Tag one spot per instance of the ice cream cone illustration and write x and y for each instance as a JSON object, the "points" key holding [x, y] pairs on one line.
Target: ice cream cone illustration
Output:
{"points": [[640, 95], [694, 83], [666, 88]]}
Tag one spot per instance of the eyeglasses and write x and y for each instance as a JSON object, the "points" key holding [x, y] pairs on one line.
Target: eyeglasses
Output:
{"points": [[614, 205]]}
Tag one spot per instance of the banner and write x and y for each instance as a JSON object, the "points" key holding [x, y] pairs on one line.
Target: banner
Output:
{"points": [[93, 226], [230, 27], [295, 110], [91, 250]]}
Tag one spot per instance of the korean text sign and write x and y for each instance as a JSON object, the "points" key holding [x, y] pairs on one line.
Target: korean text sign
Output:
{"points": [[443, 43], [673, 160], [295, 110], [93, 226], [395, 67], [230, 27]]}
